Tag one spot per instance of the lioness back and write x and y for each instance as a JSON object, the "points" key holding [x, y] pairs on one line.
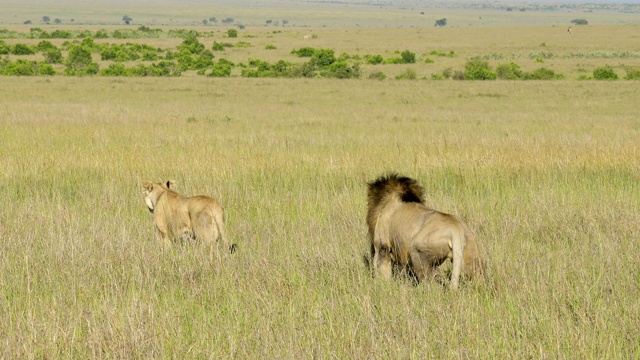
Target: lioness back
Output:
{"points": [[175, 216]]}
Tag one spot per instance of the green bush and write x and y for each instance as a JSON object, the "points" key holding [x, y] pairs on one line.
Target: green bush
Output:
{"points": [[408, 57], [509, 71], [221, 69], [232, 33], [342, 70], [101, 34], [22, 49], [23, 67], [436, 76], [115, 70], [191, 44], [5, 48], [374, 59], [304, 52], [323, 57], [542, 74], [19, 68], [478, 70], [45, 45], [79, 62], [633, 73], [261, 68], [605, 73], [52, 56]]}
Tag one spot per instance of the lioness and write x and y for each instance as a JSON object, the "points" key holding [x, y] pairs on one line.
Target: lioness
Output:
{"points": [[405, 232], [184, 218]]}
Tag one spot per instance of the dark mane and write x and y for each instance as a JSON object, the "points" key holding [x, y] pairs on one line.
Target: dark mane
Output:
{"points": [[406, 189]]}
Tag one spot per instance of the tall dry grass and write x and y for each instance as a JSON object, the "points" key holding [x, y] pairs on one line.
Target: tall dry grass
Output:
{"points": [[545, 172]]}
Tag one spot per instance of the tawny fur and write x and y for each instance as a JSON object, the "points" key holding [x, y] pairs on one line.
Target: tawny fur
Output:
{"points": [[403, 231], [177, 217]]}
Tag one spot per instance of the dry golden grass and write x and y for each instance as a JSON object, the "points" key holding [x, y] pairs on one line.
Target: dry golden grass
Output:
{"points": [[545, 172]]}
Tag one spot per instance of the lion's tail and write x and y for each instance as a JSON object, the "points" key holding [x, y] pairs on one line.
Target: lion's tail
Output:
{"points": [[458, 240]]}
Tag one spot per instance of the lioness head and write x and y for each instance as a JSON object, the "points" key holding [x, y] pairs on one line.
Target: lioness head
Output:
{"points": [[153, 191]]}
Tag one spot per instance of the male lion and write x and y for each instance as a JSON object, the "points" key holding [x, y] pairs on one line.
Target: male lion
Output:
{"points": [[185, 218], [405, 232]]}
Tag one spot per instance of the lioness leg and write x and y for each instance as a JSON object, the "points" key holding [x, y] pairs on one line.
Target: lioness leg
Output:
{"points": [[162, 237]]}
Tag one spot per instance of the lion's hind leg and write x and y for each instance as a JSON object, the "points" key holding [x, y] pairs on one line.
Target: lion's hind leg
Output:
{"points": [[422, 266]]}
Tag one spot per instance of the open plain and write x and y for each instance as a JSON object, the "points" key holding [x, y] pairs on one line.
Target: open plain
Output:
{"points": [[547, 173]]}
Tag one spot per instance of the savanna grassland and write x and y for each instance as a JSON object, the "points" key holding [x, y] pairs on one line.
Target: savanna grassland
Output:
{"points": [[545, 172]]}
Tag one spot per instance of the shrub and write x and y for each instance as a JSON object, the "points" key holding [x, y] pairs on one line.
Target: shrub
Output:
{"points": [[374, 59], [221, 69], [458, 75], [509, 72], [115, 70], [580, 21], [79, 62], [542, 74], [478, 70], [22, 49], [342, 70], [447, 73], [232, 33], [52, 56], [45, 45], [408, 57], [378, 75], [408, 74], [428, 61], [19, 68], [323, 57], [191, 43], [217, 46], [304, 52], [605, 73], [270, 47], [436, 76], [633, 73], [101, 34], [5, 48]]}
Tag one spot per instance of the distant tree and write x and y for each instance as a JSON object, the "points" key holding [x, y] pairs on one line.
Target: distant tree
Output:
{"points": [[127, 19], [580, 21], [227, 21], [421, 12], [441, 22], [27, 22], [57, 21], [46, 19], [205, 22], [72, 20], [213, 20], [285, 22], [269, 22]]}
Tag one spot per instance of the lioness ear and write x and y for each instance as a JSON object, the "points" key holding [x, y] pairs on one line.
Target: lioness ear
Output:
{"points": [[170, 184]]}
